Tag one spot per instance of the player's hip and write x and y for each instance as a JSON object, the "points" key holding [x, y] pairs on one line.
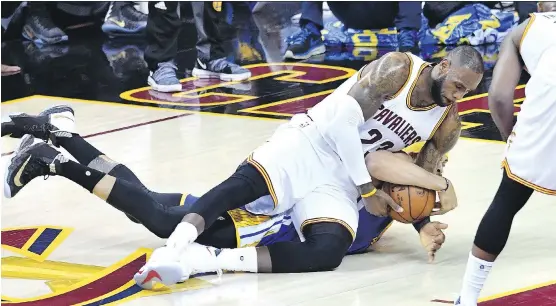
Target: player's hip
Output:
{"points": [[260, 230]]}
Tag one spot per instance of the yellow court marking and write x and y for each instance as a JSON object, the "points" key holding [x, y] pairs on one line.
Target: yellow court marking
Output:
{"points": [[19, 100], [466, 125], [286, 74], [27, 268], [188, 285], [255, 109], [512, 292], [64, 233]]}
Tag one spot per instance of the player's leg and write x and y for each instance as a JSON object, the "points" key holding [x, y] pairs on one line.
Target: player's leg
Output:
{"points": [[40, 159], [491, 237], [280, 168], [325, 241], [57, 123]]}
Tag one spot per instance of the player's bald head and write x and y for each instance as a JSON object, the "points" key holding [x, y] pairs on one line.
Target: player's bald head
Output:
{"points": [[457, 74], [546, 6], [468, 57]]}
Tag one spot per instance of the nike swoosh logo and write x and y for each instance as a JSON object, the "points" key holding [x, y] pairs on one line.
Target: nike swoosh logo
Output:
{"points": [[118, 22], [17, 178], [152, 274], [201, 64]]}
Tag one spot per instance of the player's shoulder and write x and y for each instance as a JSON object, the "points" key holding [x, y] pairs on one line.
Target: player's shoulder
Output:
{"points": [[396, 59], [394, 66], [517, 34]]}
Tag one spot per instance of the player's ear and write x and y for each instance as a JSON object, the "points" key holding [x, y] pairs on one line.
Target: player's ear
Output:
{"points": [[444, 65]]}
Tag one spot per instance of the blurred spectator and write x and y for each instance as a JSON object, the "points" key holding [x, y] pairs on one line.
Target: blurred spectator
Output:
{"points": [[404, 15], [163, 29], [123, 18], [437, 11], [39, 26], [524, 8]]}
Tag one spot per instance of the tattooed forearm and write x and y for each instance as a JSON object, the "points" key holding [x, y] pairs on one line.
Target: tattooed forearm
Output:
{"points": [[428, 157], [380, 81], [441, 143]]}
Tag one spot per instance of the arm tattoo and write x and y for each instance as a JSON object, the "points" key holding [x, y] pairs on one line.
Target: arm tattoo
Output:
{"points": [[381, 80], [441, 142]]}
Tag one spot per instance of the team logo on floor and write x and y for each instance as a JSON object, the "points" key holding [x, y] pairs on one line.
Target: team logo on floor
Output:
{"points": [[72, 283], [280, 90]]}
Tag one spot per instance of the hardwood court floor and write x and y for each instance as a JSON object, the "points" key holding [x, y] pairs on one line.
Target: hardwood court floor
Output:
{"points": [[183, 151]]}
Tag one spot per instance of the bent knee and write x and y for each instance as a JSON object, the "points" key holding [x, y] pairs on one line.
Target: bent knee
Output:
{"points": [[329, 259]]}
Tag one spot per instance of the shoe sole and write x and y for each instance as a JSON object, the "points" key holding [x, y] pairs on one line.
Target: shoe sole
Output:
{"points": [[206, 74], [113, 29], [7, 190], [163, 88], [65, 111], [315, 51], [26, 142], [57, 109]]}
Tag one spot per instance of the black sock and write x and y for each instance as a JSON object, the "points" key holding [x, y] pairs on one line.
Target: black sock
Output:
{"points": [[86, 177], [79, 148]]}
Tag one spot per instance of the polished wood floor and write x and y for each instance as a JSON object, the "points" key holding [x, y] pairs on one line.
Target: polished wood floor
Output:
{"points": [[183, 151], [63, 246]]}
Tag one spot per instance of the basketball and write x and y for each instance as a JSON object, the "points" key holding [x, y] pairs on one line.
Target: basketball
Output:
{"points": [[416, 202]]}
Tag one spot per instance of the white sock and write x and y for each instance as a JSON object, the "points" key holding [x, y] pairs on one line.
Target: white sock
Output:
{"points": [[242, 259], [476, 274]]}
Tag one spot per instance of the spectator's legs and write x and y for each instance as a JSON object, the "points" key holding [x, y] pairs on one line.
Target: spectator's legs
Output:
{"points": [[211, 57], [408, 23], [307, 41], [311, 11], [209, 37], [123, 19], [524, 8], [163, 27], [39, 27]]}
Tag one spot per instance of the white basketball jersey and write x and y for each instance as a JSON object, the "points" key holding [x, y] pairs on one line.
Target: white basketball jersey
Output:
{"points": [[532, 143], [539, 35], [397, 124]]}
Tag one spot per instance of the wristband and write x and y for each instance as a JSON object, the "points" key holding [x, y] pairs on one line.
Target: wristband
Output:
{"points": [[369, 194], [418, 225], [447, 185]]}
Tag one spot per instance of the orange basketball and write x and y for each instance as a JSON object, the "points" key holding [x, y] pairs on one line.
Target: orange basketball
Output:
{"points": [[416, 202]]}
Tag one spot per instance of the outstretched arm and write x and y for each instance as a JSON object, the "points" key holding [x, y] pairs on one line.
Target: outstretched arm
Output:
{"points": [[505, 78], [398, 168]]}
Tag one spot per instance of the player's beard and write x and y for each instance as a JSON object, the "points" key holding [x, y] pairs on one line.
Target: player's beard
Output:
{"points": [[436, 91]]}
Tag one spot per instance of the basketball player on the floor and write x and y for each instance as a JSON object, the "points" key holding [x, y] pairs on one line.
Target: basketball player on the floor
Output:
{"points": [[238, 227], [529, 162], [313, 164]]}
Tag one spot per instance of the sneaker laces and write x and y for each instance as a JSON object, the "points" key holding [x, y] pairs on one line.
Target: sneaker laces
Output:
{"points": [[35, 167], [407, 38], [136, 15], [43, 20], [301, 36], [165, 70], [221, 63]]}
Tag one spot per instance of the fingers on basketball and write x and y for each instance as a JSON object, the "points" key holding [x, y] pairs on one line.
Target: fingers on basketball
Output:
{"points": [[417, 203]]}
